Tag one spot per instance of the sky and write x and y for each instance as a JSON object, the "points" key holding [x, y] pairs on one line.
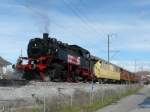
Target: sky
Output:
{"points": [[83, 22]]}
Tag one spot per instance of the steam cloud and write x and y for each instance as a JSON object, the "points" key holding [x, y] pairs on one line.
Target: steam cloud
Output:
{"points": [[40, 17], [42, 20]]}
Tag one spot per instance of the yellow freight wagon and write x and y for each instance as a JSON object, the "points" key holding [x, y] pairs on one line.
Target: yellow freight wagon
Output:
{"points": [[104, 70]]}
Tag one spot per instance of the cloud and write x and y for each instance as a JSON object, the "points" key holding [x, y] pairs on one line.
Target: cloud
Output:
{"points": [[18, 26], [133, 65], [142, 2]]}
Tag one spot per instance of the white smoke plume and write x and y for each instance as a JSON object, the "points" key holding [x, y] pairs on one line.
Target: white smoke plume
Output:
{"points": [[40, 17], [42, 20]]}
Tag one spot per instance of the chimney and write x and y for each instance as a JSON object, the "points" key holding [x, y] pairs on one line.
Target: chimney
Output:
{"points": [[45, 35]]}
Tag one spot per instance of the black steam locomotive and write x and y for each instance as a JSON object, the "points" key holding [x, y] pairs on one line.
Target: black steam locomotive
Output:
{"points": [[49, 59]]}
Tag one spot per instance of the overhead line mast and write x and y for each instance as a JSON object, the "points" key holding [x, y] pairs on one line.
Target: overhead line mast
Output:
{"points": [[108, 48]]}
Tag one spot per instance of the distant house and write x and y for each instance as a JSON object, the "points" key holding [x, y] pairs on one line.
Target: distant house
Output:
{"points": [[3, 63]]}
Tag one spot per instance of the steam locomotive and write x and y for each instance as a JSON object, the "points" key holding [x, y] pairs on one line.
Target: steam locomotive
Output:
{"points": [[52, 60]]}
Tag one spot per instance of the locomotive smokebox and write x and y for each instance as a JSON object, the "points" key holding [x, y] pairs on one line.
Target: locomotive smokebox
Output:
{"points": [[45, 35]]}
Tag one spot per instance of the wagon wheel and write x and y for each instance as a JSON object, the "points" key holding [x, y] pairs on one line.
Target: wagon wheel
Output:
{"points": [[55, 74], [100, 81], [31, 75], [27, 75], [74, 77]]}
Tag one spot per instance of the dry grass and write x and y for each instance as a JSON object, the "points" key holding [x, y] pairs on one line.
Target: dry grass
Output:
{"points": [[82, 101]]}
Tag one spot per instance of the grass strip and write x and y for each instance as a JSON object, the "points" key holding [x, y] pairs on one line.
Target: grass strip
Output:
{"points": [[107, 100]]}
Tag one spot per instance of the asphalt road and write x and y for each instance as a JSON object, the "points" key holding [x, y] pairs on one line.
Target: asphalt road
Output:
{"points": [[130, 103]]}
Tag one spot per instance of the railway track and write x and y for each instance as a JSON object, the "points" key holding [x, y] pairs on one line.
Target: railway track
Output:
{"points": [[13, 83], [5, 82]]}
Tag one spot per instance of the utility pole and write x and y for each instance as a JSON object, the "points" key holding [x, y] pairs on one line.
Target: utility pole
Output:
{"points": [[21, 53], [44, 104], [109, 37], [108, 48], [135, 65]]}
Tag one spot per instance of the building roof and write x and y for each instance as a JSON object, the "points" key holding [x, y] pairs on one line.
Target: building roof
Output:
{"points": [[4, 62]]}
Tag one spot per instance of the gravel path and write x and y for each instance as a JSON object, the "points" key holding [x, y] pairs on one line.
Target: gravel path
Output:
{"points": [[130, 103]]}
